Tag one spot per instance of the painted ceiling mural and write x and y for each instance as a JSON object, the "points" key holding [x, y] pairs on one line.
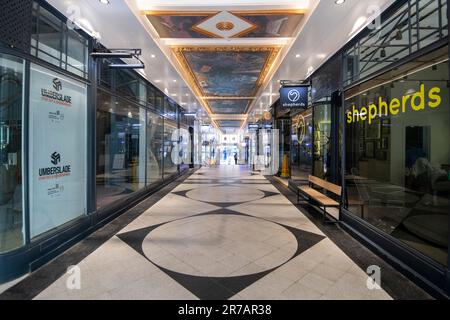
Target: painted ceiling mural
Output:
{"points": [[235, 72], [227, 78], [226, 73], [229, 106], [261, 24]]}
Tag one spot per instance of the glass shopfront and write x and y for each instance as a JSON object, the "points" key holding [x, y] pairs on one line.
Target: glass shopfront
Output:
{"points": [[11, 178], [302, 145], [121, 141], [322, 139], [171, 139], [154, 148], [52, 184], [397, 168]]}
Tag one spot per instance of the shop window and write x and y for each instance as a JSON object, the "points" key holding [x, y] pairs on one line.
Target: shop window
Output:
{"points": [[11, 187], [322, 140], [414, 26], [159, 103], [151, 96], [171, 138], [53, 41], [57, 150], [154, 147], [398, 155], [302, 145], [121, 144], [170, 110]]}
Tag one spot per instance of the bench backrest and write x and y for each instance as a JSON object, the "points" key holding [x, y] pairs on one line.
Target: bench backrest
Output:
{"points": [[326, 185]]}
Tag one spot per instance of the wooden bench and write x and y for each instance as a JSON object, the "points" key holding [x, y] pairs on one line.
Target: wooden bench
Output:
{"points": [[310, 193]]}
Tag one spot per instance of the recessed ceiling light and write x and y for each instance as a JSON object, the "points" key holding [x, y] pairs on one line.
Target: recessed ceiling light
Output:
{"points": [[174, 80], [321, 55], [157, 81], [173, 94], [153, 56], [339, 2], [298, 55], [187, 94], [104, 1]]}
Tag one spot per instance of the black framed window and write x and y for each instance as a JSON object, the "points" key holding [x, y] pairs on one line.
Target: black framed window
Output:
{"points": [[54, 41], [397, 167]]}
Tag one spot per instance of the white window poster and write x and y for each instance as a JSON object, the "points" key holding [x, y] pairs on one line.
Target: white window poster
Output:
{"points": [[57, 143]]}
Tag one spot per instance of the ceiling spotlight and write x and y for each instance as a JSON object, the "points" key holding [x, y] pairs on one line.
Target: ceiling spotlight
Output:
{"points": [[153, 56], [339, 2], [298, 55], [157, 81], [174, 80], [173, 94], [104, 1]]}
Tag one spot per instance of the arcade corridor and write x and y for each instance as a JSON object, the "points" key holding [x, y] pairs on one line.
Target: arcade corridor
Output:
{"points": [[223, 233]]}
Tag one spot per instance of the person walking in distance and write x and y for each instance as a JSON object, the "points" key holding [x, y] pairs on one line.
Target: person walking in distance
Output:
{"points": [[235, 158]]}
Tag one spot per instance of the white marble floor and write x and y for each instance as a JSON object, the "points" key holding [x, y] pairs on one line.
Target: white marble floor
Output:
{"points": [[222, 234]]}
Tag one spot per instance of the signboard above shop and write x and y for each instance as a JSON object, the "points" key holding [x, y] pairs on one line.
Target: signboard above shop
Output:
{"points": [[294, 96]]}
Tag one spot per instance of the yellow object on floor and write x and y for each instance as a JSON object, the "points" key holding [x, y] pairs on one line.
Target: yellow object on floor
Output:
{"points": [[285, 167]]}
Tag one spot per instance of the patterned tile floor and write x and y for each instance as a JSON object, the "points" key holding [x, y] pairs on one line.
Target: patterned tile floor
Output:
{"points": [[221, 234]]}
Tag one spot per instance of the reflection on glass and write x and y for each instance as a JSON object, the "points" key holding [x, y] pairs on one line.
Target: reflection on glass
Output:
{"points": [[302, 145], [322, 141], [11, 213], [170, 140], [121, 145], [58, 43], [398, 158], [154, 147]]}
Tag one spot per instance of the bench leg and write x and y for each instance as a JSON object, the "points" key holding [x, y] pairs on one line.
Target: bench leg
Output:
{"points": [[325, 220]]}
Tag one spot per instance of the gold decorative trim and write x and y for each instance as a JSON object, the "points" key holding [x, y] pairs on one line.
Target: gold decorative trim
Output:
{"points": [[271, 12], [210, 14], [187, 71], [177, 13], [225, 26], [214, 12], [196, 27]]}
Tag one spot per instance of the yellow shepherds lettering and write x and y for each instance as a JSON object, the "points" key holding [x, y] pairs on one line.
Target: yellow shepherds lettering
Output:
{"points": [[416, 101]]}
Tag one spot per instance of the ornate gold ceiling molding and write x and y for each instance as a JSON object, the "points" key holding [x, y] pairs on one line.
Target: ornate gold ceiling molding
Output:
{"points": [[253, 27], [213, 12], [192, 80], [270, 12], [177, 13], [210, 14]]}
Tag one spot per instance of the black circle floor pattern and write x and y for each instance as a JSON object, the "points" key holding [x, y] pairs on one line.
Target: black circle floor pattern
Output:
{"points": [[224, 194], [219, 245], [213, 287]]}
